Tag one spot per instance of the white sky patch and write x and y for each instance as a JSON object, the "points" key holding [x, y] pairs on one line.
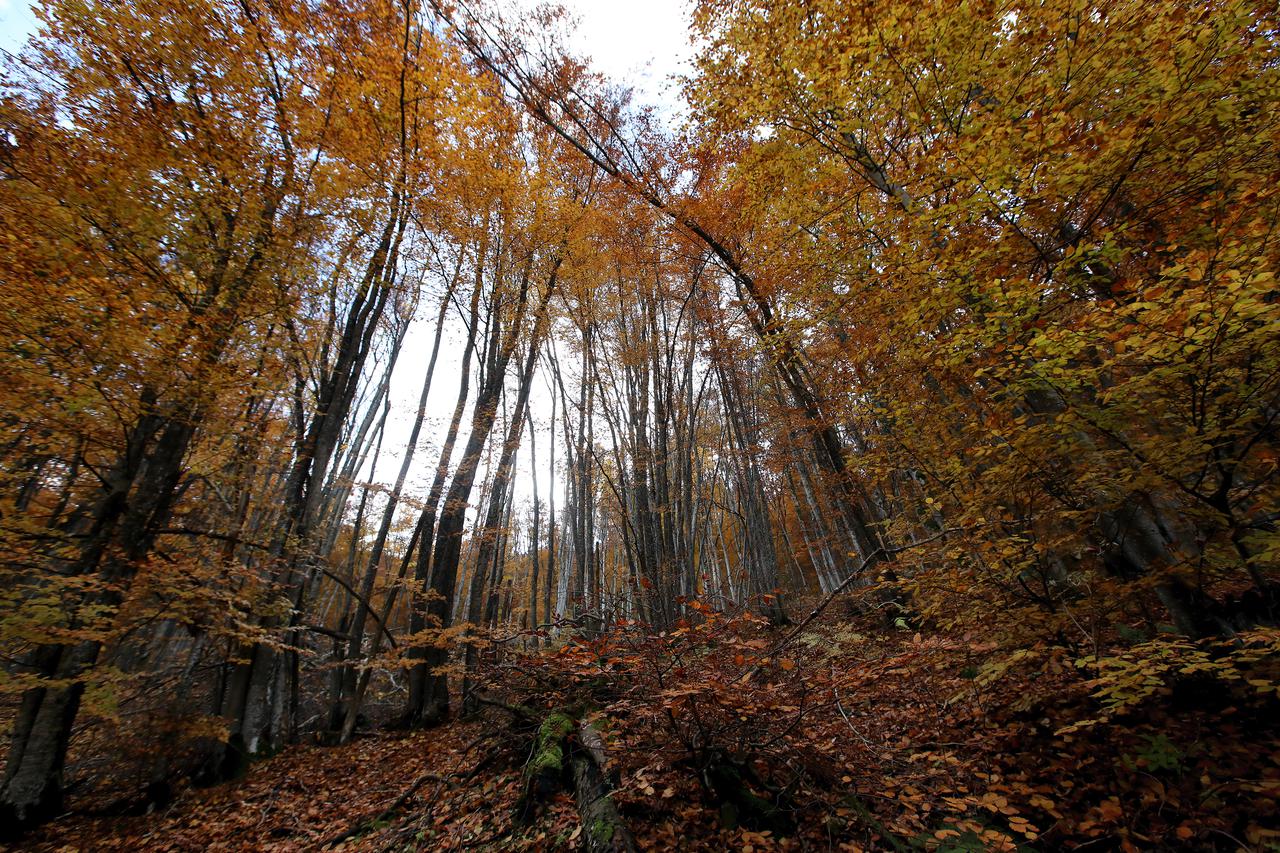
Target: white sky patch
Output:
{"points": [[17, 23], [641, 44]]}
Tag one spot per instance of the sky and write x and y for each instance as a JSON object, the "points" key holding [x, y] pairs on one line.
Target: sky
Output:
{"points": [[642, 44], [16, 23]]}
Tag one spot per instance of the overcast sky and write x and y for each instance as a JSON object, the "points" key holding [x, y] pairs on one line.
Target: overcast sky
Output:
{"points": [[16, 23], [640, 42]]}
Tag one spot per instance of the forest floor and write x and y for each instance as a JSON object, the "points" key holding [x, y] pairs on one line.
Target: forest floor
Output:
{"points": [[855, 736]]}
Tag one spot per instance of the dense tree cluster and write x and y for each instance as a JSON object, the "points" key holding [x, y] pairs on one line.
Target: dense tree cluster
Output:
{"points": [[970, 303]]}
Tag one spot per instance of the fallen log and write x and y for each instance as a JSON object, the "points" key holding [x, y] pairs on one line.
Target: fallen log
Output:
{"points": [[603, 829], [569, 750], [590, 739], [545, 772]]}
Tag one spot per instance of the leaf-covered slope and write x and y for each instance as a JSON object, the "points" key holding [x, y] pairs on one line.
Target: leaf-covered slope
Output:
{"points": [[853, 737]]}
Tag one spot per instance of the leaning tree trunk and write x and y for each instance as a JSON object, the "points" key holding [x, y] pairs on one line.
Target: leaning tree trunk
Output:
{"points": [[488, 552], [422, 574], [258, 681]]}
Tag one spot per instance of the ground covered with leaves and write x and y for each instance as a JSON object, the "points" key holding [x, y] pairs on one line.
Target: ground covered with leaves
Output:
{"points": [[730, 734]]}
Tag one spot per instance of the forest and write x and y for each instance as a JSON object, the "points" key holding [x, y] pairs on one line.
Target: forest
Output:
{"points": [[413, 438]]}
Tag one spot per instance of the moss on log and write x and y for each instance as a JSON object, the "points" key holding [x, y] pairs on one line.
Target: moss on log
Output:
{"points": [[603, 828], [556, 757], [547, 768]]}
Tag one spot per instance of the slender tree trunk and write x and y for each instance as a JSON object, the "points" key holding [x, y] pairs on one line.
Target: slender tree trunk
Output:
{"points": [[349, 695], [430, 704]]}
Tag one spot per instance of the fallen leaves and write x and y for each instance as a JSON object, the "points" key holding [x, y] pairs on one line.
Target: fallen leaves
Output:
{"points": [[854, 730]]}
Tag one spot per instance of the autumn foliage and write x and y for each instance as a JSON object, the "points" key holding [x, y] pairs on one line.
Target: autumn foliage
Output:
{"points": [[909, 416]]}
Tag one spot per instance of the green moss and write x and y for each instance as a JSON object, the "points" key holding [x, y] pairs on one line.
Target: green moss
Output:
{"points": [[548, 757], [602, 830], [557, 726]]}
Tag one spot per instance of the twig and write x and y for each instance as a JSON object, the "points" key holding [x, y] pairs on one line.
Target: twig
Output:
{"points": [[840, 707]]}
